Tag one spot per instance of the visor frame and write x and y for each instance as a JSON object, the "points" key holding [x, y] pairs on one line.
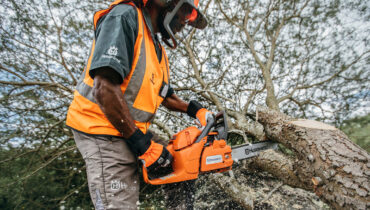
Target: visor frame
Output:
{"points": [[200, 21]]}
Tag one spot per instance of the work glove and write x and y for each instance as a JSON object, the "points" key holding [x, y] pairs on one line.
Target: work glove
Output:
{"points": [[202, 116], [155, 157], [196, 110]]}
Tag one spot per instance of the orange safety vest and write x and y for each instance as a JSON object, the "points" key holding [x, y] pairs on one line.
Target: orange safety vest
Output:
{"points": [[141, 88]]}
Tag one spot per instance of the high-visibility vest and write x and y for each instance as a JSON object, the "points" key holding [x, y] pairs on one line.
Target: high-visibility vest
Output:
{"points": [[143, 88]]}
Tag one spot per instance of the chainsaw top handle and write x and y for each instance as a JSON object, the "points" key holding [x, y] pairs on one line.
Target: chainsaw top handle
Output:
{"points": [[212, 122], [221, 125]]}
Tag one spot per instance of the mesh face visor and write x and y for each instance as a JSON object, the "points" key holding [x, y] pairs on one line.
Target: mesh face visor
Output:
{"points": [[186, 10]]}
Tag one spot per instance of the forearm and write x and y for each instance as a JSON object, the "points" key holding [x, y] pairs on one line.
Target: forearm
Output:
{"points": [[174, 103], [112, 103]]}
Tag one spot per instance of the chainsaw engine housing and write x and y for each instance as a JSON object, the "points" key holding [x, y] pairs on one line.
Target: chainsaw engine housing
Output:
{"points": [[196, 152]]}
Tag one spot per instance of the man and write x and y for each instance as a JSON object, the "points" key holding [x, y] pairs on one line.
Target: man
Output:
{"points": [[124, 82]]}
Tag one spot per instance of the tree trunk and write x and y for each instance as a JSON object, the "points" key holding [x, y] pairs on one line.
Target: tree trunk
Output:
{"points": [[327, 162]]}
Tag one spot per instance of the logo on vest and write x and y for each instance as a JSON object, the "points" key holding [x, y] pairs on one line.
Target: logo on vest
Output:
{"points": [[111, 53], [152, 79]]}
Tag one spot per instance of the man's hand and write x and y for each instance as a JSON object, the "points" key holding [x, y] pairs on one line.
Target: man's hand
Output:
{"points": [[196, 110], [156, 158], [202, 116], [193, 109]]}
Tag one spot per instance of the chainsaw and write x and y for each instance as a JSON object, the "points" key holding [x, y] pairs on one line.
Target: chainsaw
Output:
{"points": [[198, 152]]}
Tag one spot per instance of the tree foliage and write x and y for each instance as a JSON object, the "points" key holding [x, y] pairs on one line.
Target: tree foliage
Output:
{"points": [[358, 130]]}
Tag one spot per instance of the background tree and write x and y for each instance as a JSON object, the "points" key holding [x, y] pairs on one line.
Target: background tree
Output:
{"points": [[43, 47], [307, 59], [358, 129]]}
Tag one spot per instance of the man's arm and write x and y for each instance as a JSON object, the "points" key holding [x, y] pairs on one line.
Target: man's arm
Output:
{"points": [[193, 109], [174, 103], [108, 94], [109, 97]]}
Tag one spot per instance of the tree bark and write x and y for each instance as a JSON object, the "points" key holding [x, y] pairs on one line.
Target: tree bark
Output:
{"points": [[278, 165], [327, 162]]}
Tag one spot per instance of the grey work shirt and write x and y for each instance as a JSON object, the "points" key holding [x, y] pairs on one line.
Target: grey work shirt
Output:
{"points": [[115, 38]]}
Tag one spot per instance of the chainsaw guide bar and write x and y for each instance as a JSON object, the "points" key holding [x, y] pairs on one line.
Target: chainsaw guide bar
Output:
{"points": [[246, 151]]}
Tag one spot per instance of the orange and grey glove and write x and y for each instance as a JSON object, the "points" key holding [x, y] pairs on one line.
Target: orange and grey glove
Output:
{"points": [[196, 110], [155, 157]]}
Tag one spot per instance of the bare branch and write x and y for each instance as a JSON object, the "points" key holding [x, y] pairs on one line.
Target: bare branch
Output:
{"points": [[334, 75], [12, 72], [32, 83], [164, 127]]}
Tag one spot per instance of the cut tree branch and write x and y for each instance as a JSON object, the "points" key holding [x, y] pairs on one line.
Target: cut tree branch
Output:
{"points": [[335, 168]]}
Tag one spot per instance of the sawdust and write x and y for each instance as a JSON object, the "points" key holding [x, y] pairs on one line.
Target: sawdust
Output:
{"points": [[270, 193]]}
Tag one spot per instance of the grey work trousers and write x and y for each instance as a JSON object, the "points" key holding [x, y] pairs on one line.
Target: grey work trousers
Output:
{"points": [[112, 171]]}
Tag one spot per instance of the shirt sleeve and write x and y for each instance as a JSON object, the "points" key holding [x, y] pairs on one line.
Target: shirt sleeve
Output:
{"points": [[115, 38]]}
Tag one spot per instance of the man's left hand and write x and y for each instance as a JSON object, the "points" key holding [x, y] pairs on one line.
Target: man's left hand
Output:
{"points": [[203, 115]]}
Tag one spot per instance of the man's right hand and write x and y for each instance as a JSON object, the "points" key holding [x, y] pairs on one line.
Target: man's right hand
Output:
{"points": [[156, 158]]}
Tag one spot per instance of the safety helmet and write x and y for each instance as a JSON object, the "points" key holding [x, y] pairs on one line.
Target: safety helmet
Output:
{"points": [[174, 10], [186, 8]]}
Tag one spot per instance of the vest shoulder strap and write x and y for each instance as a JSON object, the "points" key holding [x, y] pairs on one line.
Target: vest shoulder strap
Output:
{"points": [[103, 12]]}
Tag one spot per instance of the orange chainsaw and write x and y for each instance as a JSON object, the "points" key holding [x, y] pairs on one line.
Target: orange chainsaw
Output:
{"points": [[198, 152]]}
